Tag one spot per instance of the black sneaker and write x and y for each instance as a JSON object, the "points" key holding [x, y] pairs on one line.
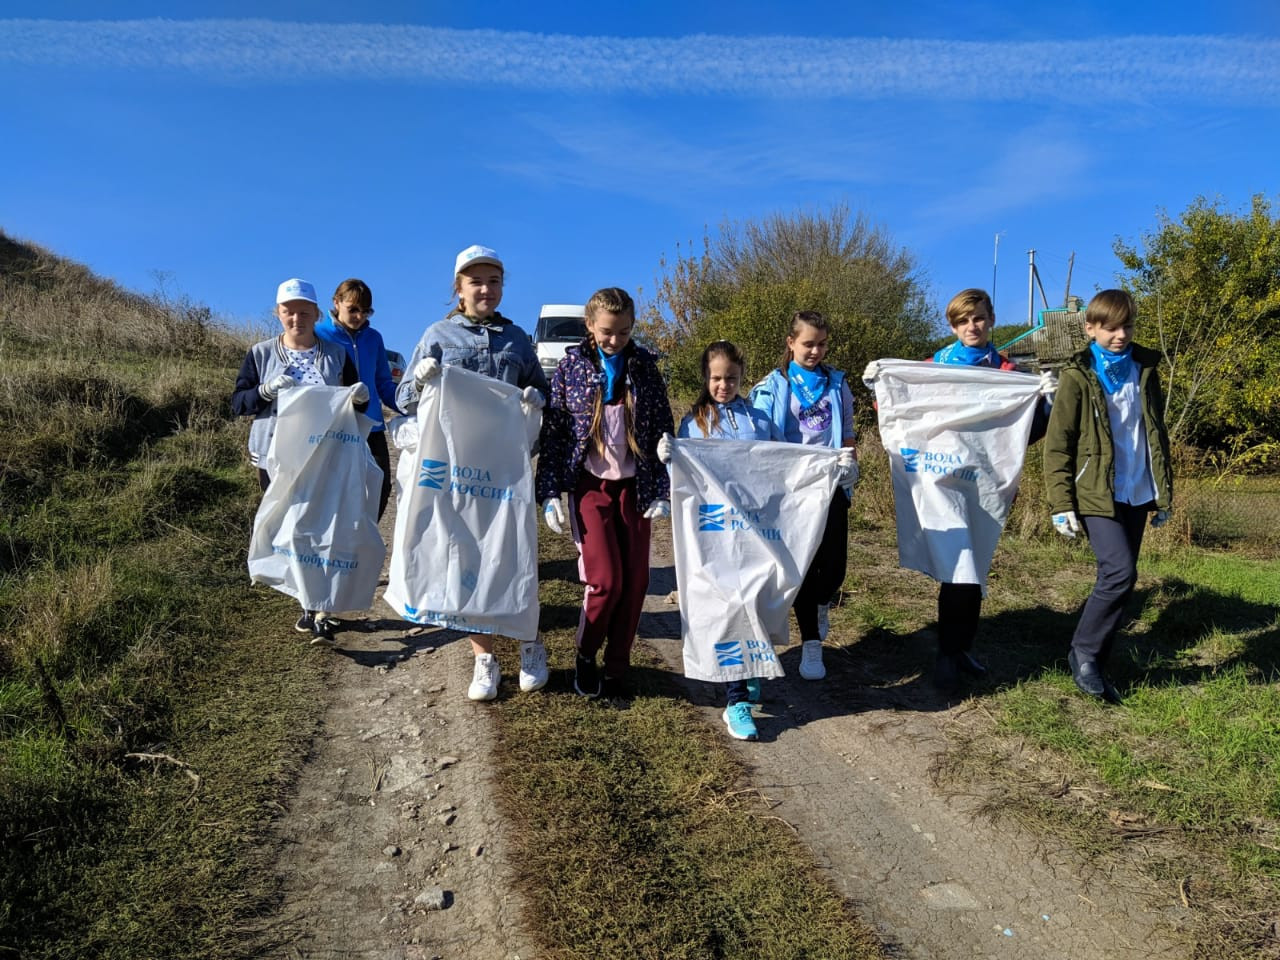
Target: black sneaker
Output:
{"points": [[306, 623], [617, 693], [617, 690], [946, 674], [322, 633], [586, 676]]}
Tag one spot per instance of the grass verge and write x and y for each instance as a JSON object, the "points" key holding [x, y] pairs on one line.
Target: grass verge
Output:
{"points": [[150, 716], [635, 836], [1183, 781]]}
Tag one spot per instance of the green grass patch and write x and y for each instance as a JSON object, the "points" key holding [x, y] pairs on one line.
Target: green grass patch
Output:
{"points": [[152, 707], [1189, 766], [635, 834]]}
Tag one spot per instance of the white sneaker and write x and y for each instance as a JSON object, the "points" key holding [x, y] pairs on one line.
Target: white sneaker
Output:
{"points": [[824, 620], [533, 665], [484, 681], [811, 667]]}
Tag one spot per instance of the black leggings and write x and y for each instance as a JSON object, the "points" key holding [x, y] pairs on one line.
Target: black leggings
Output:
{"points": [[959, 607], [826, 573], [381, 456]]}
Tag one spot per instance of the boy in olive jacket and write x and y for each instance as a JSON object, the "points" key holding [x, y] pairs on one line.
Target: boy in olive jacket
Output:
{"points": [[1107, 466]]}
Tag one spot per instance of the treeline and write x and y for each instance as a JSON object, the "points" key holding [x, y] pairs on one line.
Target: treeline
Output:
{"points": [[1207, 285]]}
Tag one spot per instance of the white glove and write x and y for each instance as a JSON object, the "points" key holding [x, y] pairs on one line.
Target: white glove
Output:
{"points": [[532, 399], [664, 447], [1159, 519], [871, 372], [659, 508], [1048, 384], [360, 394], [1067, 524], [848, 464], [553, 513], [427, 369], [281, 381]]}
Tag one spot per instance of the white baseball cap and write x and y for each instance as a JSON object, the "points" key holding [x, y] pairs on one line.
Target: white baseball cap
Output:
{"points": [[295, 289], [476, 254]]}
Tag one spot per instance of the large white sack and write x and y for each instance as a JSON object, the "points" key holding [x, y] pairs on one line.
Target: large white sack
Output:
{"points": [[315, 536], [465, 549], [956, 438], [746, 519]]}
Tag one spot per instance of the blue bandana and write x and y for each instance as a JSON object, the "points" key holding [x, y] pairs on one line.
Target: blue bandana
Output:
{"points": [[958, 353], [612, 368], [1113, 369], [811, 385]]}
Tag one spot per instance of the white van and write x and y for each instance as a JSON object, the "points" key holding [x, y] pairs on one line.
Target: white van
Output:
{"points": [[560, 325]]}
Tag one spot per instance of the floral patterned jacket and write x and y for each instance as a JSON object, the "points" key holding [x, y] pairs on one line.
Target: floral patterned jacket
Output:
{"points": [[566, 422]]}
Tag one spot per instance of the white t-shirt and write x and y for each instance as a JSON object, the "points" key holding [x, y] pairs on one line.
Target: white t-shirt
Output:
{"points": [[1134, 484]]}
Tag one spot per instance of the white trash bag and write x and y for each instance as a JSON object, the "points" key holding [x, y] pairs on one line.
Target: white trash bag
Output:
{"points": [[315, 536], [956, 438], [746, 520], [465, 550]]}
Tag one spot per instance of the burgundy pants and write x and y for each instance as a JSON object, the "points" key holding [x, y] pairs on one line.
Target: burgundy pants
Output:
{"points": [[613, 563]]}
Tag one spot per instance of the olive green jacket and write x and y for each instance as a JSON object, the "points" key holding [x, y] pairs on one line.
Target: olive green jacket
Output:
{"points": [[1079, 458]]}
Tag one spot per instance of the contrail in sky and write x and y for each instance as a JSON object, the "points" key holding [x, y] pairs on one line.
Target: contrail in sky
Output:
{"points": [[1240, 70]]}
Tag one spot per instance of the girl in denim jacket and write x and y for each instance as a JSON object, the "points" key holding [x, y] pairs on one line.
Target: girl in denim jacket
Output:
{"points": [[478, 338]]}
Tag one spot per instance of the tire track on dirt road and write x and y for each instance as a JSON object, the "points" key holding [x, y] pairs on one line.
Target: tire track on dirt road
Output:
{"points": [[848, 763]]}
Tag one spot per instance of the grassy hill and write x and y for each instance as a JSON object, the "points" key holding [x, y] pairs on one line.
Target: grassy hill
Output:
{"points": [[129, 669]]}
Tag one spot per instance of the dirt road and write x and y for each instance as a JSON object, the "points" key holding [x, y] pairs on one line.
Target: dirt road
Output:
{"points": [[394, 848]]}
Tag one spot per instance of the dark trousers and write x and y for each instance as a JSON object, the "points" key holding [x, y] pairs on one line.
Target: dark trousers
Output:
{"points": [[613, 563], [382, 457], [959, 607], [735, 691], [1115, 542], [826, 572]]}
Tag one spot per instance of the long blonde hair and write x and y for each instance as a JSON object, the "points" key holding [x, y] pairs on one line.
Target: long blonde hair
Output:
{"points": [[617, 301], [705, 412]]}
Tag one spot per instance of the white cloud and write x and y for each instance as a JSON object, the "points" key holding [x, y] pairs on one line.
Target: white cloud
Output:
{"points": [[1035, 166], [635, 157], [1124, 69]]}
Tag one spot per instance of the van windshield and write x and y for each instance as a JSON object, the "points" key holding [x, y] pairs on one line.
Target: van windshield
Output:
{"points": [[563, 328]]}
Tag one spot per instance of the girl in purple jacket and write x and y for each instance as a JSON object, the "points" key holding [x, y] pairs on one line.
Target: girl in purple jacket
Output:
{"points": [[600, 432]]}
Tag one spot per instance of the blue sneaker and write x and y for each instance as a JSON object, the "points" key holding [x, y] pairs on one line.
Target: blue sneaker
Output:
{"points": [[755, 691], [737, 717]]}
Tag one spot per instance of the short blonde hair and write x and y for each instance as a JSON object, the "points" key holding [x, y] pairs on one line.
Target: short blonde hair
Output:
{"points": [[962, 304], [1111, 309]]}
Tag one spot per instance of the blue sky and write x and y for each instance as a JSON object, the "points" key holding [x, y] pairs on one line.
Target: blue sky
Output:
{"points": [[248, 142]]}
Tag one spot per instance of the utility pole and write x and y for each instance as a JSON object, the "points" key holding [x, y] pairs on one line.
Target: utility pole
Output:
{"points": [[1066, 296], [1031, 288], [995, 263]]}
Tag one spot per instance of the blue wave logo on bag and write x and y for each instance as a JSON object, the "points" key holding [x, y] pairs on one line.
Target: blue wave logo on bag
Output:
{"points": [[710, 517], [433, 474], [940, 464], [729, 653]]}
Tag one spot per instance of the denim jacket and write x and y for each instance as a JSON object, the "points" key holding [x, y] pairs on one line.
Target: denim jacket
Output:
{"points": [[738, 421], [496, 348]]}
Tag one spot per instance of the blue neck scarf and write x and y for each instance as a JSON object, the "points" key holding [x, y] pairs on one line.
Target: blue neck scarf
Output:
{"points": [[958, 353], [1113, 369], [811, 385], [613, 373]]}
